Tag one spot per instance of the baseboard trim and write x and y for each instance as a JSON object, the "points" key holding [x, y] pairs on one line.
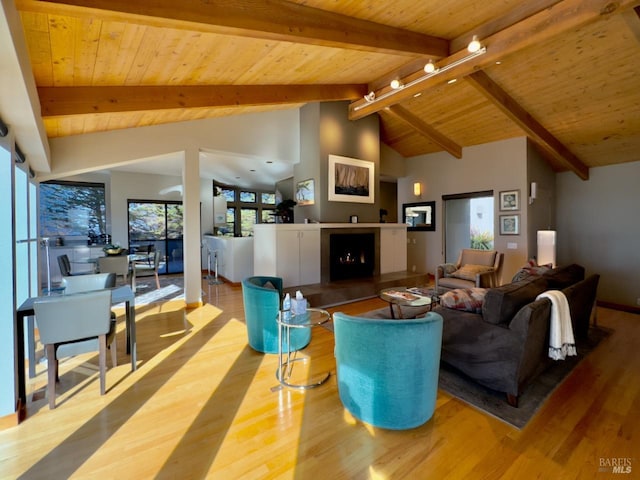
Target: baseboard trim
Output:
{"points": [[617, 306], [13, 419]]}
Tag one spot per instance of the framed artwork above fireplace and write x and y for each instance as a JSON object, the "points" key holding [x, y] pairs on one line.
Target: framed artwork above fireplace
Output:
{"points": [[351, 180]]}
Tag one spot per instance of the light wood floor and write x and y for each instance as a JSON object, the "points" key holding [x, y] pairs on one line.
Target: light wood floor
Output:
{"points": [[201, 405]]}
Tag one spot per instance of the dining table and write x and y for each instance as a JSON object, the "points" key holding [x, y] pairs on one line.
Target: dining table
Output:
{"points": [[123, 294]]}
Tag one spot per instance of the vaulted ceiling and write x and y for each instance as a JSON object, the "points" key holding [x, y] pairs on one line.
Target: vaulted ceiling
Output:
{"points": [[565, 73]]}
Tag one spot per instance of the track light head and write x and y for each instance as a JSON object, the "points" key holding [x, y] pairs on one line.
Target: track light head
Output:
{"points": [[430, 67], [395, 84], [370, 97], [474, 45]]}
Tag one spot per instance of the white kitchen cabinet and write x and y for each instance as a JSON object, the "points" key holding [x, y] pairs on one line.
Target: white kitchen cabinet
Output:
{"points": [[289, 251]]}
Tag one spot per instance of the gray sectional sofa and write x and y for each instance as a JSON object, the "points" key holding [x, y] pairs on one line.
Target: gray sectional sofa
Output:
{"points": [[506, 345]]}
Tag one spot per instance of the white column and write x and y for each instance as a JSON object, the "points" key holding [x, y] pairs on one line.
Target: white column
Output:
{"points": [[192, 234]]}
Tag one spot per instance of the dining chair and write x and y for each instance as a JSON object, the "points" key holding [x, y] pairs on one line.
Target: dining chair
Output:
{"points": [[118, 264], [144, 270], [65, 267], [73, 324]]}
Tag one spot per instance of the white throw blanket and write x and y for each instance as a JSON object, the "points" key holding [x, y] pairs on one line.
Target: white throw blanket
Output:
{"points": [[561, 342]]}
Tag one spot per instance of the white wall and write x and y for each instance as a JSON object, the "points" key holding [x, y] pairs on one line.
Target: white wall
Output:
{"points": [[494, 166], [598, 228]]}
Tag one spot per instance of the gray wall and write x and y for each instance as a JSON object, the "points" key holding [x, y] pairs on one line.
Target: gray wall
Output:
{"points": [[598, 228], [541, 211], [325, 129], [494, 166]]}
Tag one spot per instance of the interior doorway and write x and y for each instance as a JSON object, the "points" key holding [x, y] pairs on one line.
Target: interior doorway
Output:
{"points": [[468, 222]]}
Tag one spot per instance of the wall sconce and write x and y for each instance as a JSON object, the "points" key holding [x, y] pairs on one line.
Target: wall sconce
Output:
{"points": [[533, 194], [547, 247], [20, 156], [3, 129], [417, 189]]}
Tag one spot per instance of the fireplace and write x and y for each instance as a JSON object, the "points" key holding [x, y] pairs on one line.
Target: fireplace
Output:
{"points": [[351, 255]]}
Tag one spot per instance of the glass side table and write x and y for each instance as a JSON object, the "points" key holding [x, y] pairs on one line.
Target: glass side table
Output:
{"points": [[312, 318]]}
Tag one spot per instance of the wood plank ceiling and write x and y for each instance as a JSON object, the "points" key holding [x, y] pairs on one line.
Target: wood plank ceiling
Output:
{"points": [[566, 73]]}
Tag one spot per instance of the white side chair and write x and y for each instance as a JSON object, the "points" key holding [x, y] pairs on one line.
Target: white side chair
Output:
{"points": [[115, 264], [73, 324]]}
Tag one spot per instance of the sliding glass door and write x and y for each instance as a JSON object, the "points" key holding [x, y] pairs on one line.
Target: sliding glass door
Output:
{"points": [[156, 225], [468, 223]]}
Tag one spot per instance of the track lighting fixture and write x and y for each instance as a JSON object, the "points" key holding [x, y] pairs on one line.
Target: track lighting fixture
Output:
{"points": [[475, 48]]}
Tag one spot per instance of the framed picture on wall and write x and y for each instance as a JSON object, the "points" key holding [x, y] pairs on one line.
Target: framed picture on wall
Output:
{"points": [[510, 224], [420, 216], [351, 180], [510, 200], [305, 194]]}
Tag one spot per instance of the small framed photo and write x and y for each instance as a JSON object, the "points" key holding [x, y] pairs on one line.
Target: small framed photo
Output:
{"points": [[510, 200], [510, 224], [305, 192]]}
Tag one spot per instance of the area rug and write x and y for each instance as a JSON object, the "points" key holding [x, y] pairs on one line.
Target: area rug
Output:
{"points": [[495, 403]]}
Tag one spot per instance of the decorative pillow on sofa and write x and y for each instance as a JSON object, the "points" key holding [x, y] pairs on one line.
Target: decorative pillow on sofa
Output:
{"points": [[467, 299], [531, 269], [469, 272]]}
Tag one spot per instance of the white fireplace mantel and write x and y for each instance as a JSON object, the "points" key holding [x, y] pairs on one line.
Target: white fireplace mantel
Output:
{"points": [[293, 251]]}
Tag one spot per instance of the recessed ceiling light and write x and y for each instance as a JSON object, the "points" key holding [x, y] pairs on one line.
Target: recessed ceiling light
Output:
{"points": [[417, 95], [269, 161], [498, 62], [252, 170], [453, 80]]}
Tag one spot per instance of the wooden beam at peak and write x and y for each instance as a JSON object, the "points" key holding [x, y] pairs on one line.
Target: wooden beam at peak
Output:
{"points": [[56, 101], [552, 21], [501, 99], [425, 129], [274, 20], [59, 101]]}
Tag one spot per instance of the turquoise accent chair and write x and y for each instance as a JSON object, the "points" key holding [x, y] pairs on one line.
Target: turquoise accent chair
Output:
{"points": [[388, 369], [262, 298]]}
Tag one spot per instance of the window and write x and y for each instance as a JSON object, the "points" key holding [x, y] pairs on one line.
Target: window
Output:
{"points": [[72, 209], [158, 224], [247, 197], [268, 198], [248, 218], [245, 208]]}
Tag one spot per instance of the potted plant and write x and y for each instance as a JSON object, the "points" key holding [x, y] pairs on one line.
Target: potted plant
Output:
{"points": [[284, 210]]}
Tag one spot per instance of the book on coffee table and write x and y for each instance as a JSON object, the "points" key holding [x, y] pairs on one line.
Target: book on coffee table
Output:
{"points": [[402, 295]]}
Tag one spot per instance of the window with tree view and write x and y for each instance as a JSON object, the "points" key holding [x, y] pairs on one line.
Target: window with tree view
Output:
{"points": [[72, 209]]}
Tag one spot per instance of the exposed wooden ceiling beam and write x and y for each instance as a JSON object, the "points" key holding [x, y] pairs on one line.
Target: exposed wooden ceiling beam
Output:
{"points": [[501, 99], [425, 129], [548, 23], [59, 101], [274, 20]]}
